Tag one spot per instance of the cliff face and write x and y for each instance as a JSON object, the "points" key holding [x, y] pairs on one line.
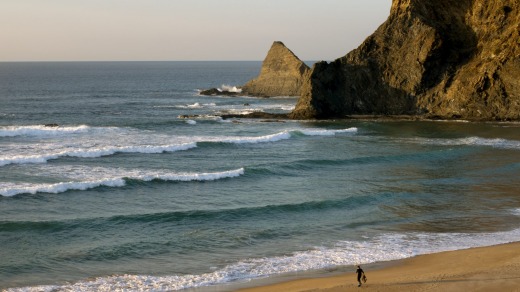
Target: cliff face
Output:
{"points": [[282, 74], [437, 58]]}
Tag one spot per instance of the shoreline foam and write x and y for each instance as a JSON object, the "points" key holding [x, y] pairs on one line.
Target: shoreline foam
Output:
{"points": [[338, 278], [491, 268]]}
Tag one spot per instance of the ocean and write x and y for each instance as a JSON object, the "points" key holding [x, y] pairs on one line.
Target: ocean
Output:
{"points": [[136, 183]]}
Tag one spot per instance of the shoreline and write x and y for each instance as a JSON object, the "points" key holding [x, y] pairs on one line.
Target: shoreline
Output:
{"points": [[490, 268], [384, 118]]}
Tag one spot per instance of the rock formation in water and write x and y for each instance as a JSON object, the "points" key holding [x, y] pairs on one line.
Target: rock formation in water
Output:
{"points": [[432, 58], [282, 74], [218, 91]]}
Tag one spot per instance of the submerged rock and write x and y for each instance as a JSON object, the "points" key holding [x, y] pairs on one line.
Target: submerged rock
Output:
{"points": [[254, 115], [217, 91], [434, 58]]}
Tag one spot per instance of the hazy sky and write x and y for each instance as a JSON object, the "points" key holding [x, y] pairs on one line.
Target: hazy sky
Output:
{"points": [[102, 30]]}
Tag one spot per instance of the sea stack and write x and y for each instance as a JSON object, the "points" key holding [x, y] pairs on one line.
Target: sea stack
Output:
{"points": [[282, 74], [453, 59]]}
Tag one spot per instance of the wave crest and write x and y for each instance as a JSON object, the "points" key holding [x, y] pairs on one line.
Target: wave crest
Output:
{"points": [[100, 151], [12, 189], [320, 132], [386, 247], [96, 152], [41, 130], [473, 141]]}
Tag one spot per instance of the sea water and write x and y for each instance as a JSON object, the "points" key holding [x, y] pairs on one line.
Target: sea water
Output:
{"points": [[136, 183]]}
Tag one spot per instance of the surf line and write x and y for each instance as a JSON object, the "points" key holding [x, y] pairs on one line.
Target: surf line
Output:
{"points": [[157, 149], [120, 181]]}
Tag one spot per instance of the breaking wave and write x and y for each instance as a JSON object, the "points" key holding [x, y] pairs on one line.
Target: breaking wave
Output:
{"points": [[96, 152], [229, 88], [41, 130], [386, 247], [12, 189], [319, 132], [261, 139], [196, 105], [473, 141], [284, 135]]}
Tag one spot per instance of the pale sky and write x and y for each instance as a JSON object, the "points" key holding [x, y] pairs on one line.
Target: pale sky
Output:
{"points": [[171, 30]]}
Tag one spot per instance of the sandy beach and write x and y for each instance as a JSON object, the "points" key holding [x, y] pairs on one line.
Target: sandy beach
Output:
{"points": [[494, 268]]}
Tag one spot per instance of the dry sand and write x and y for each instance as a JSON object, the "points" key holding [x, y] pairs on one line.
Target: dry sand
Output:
{"points": [[495, 268]]}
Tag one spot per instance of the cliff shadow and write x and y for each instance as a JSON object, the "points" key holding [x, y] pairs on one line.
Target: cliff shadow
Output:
{"points": [[456, 41], [339, 88]]}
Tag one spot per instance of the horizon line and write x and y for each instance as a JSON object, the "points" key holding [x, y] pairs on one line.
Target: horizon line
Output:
{"points": [[136, 61]]}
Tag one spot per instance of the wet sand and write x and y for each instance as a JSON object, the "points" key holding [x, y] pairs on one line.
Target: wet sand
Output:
{"points": [[494, 268]]}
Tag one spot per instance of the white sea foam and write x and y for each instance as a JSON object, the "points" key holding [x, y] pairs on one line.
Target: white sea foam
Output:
{"points": [[107, 142], [41, 130], [239, 111], [110, 178], [247, 107], [207, 176], [94, 152], [516, 212], [383, 248], [321, 132], [196, 105], [191, 122], [496, 143], [229, 88], [25, 188], [261, 139], [288, 107], [199, 105], [271, 107], [474, 141], [284, 135]]}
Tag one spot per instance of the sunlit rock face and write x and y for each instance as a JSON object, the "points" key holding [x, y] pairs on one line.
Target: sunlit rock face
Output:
{"points": [[282, 74], [433, 58]]}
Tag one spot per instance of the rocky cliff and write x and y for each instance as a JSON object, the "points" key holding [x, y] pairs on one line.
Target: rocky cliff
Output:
{"points": [[434, 58], [282, 74]]}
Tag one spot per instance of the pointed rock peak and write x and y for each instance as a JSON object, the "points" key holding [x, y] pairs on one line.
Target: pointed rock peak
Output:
{"points": [[280, 57], [281, 74], [279, 48]]}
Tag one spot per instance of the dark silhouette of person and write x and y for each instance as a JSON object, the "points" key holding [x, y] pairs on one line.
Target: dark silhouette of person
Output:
{"points": [[360, 274]]}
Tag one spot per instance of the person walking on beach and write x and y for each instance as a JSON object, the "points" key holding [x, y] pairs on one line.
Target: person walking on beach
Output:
{"points": [[360, 273]]}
